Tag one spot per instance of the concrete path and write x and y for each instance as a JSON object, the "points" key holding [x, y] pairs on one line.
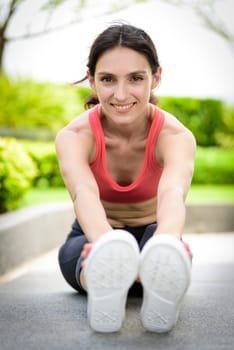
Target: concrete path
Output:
{"points": [[38, 310]]}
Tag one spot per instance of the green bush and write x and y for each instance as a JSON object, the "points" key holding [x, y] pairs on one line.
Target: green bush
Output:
{"points": [[83, 93], [214, 166], [36, 110], [202, 116], [225, 135], [44, 156], [17, 171]]}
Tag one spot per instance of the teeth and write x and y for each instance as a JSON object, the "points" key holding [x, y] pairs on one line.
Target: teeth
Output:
{"points": [[123, 108]]}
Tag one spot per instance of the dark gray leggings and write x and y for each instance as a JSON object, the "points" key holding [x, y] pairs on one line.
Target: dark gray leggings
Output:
{"points": [[70, 259]]}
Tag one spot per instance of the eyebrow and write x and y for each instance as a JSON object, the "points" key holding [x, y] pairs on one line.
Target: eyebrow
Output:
{"points": [[134, 72]]}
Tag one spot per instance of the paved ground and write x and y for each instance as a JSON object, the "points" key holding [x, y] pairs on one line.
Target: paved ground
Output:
{"points": [[39, 311]]}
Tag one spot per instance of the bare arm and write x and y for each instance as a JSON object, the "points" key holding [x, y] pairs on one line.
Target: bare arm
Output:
{"points": [[74, 149], [178, 153]]}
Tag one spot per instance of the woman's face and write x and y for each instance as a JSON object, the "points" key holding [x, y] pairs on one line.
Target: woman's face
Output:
{"points": [[123, 82]]}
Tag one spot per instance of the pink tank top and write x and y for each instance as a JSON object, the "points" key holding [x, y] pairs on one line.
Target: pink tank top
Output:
{"points": [[146, 184]]}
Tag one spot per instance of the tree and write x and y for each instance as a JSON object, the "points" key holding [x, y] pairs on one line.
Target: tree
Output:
{"points": [[207, 11], [211, 16], [7, 12], [9, 8]]}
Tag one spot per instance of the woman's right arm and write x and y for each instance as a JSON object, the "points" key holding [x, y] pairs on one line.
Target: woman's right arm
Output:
{"points": [[74, 149]]}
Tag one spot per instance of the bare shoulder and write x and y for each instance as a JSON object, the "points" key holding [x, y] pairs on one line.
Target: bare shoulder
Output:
{"points": [[175, 139], [174, 129], [74, 135], [77, 125]]}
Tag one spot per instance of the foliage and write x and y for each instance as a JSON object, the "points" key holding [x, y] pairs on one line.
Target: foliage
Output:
{"points": [[212, 16], [27, 163], [83, 93], [214, 166], [202, 116], [225, 135], [17, 171], [45, 158], [36, 110], [78, 12], [32, 110]]}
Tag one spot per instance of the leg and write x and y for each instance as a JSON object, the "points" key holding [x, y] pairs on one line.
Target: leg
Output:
{"points": [[69, 256], [149, 231], [70, 259]]}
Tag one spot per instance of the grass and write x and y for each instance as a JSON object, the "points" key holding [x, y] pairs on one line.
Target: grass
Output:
{"points": [[202, 194], [206, 194], [45, 195]]}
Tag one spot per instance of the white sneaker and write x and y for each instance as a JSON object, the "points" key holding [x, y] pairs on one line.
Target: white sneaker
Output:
{"points": [[110, 269], [165, 275]]}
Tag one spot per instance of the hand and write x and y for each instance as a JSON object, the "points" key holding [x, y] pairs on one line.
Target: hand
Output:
{"points": [[190, 254], [85, 252]]}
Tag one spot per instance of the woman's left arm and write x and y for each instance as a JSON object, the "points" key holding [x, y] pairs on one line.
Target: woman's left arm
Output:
{"points": [[177, 152]]}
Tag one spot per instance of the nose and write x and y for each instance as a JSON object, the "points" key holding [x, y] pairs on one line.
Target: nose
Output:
{"points": [[121, 91]]}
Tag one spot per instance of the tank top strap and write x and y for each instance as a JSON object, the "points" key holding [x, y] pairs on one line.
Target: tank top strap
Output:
{"points": [[97, 132], [156, 126], [157, 123]]}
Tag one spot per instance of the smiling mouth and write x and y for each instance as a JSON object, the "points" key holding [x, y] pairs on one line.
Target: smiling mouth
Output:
{"points": [[123, 108]]}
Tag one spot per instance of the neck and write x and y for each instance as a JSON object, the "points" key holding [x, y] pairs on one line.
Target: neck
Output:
{"points": [[139, 128]]}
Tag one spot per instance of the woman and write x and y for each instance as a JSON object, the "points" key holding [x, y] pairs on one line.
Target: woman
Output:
{"points": [[128, 166]]}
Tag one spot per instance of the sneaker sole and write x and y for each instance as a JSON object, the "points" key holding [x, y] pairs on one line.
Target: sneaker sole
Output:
{"points": [[165, 275], [110, 269]]}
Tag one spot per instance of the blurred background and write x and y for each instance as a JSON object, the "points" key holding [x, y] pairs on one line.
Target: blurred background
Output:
{"points": [[44, 47]]}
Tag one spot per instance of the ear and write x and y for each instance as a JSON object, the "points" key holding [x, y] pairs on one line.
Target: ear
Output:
{"points": [[156, 78], [91, 81]]}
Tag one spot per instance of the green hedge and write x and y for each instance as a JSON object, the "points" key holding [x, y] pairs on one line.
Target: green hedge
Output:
{"points": [[44, 156], [24, 164], [225, 135], [202, 116], [213, 165], [17, 171], [35, 110]]}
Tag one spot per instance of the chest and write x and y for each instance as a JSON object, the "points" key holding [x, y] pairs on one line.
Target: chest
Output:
{"points": [[124, 160]]}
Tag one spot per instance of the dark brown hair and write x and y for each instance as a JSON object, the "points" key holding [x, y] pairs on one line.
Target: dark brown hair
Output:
{"points": [[124, 35]]}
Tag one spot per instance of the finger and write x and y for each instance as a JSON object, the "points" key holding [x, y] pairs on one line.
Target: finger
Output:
{"points": [[86, 250], [190, 254]]}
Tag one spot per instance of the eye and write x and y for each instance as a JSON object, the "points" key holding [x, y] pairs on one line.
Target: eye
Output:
{"points": [[136, 78], [106, 79]]}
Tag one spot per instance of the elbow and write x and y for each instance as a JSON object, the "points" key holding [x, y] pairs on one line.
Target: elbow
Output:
{"points": [[83, 190], [78, 192], [174, 194]]}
